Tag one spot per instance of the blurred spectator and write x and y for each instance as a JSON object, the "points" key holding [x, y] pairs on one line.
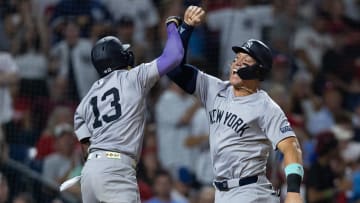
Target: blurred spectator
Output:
{"points": [[338, 21], [75, 62], [281, 73], [324, 118], [352, 8], [310, 44], [44, 106], [168, 8], [125, 29], [343, 131], [83, 12], [8, 77], [143, 13], [65, 163], [9, 24], [45, 145], [149, 165], [356, 182], [23, 198], [310, 60], [30, 45], [4, 189], [286, 20], [182, 185], [174, 110], [207, 195], [162, 187], [322, 176], [20, 131], [198, 141], [44, 9], [147, 169], [241, 21], [3, 147]]}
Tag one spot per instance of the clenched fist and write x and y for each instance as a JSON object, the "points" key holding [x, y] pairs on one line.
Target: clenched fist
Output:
{"points": [[194, 15]]}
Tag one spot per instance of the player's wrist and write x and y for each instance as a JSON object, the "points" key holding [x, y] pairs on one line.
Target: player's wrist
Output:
{"points": [[174, 19], [186, 26], [294, 175], [293, 183]]}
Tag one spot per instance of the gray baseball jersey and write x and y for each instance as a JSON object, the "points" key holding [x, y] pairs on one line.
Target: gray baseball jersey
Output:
{"points": [[243, 130], [112, 114]]}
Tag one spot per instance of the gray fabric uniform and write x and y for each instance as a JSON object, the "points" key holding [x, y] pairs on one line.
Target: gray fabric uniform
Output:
{"points": [[112, 115], [243, 130]]}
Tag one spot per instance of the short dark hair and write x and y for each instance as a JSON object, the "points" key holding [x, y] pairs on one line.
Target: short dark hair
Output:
{"points": [[163, 172]]}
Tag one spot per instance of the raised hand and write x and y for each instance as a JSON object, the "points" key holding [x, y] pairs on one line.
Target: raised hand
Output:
{"points": [[194, 15]]}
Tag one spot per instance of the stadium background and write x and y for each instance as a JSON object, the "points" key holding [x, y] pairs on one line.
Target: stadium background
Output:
{"points": [[45, 69]]}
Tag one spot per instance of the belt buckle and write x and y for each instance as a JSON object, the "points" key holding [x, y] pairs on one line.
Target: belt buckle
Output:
{"points": [[221, 185]]}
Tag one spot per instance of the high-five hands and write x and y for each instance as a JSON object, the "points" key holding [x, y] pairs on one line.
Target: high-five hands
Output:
{"points": [[194, 15]]}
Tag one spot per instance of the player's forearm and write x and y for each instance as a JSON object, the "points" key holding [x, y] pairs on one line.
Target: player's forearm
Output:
{"points": [[293, 163], [185, 77], [173, 52], [185, 31], [292, 152]]}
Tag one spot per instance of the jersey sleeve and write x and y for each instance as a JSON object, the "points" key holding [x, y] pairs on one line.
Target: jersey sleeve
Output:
{"points": [[275, 124], [207, 86], [145, 75], [81, 129]]}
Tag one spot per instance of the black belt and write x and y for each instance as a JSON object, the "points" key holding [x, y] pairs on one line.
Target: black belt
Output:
{"points": [[228, 184]]}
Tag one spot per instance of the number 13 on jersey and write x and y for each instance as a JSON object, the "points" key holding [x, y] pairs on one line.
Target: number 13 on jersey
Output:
{"points": [[114, 93]]}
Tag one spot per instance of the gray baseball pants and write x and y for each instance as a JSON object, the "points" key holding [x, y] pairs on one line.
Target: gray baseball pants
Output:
{"points": [[109, 178]]}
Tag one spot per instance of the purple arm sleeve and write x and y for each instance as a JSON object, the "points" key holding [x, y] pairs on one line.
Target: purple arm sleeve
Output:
{"points": [[173, 52]]}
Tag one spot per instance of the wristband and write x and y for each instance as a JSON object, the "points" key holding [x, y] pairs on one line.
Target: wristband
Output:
{"points": [[294, 168], [293, 183], [294, 175]]}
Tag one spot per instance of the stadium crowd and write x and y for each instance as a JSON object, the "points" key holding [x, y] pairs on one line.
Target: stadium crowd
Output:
{"points": [[45, 69]]}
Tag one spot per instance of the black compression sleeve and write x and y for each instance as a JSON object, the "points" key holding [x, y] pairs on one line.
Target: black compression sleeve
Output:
{"points": [[185, 31], [293, 182], [185, 77]]}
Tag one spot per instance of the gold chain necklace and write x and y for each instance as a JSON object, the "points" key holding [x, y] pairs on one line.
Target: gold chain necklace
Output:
{"points": [[247, 89]]}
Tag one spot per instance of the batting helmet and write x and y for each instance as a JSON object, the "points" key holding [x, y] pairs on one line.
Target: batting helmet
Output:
{"points": [[110, 54], [263, 56]]}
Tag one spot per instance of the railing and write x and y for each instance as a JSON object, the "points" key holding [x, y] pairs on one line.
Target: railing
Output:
{"points": [[36, 176]]}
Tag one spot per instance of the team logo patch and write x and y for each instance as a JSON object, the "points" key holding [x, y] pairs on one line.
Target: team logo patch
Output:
{"points": [[285, 129], [248, 44], [113, 155]]}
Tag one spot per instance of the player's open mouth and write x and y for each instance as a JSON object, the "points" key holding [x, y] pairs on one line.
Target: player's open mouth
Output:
{"points": [[234, 70]]}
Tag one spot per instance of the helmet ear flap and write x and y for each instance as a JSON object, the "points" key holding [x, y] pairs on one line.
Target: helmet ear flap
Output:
{"points": [[261, 72], [131, 59]]}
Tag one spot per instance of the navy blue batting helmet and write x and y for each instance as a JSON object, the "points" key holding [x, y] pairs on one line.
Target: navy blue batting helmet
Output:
{"points": [[109, 54], [261, 53]]}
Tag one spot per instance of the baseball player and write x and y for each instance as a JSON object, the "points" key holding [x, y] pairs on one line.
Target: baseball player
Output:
{"points": [[110, 119], [245, 123]]}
